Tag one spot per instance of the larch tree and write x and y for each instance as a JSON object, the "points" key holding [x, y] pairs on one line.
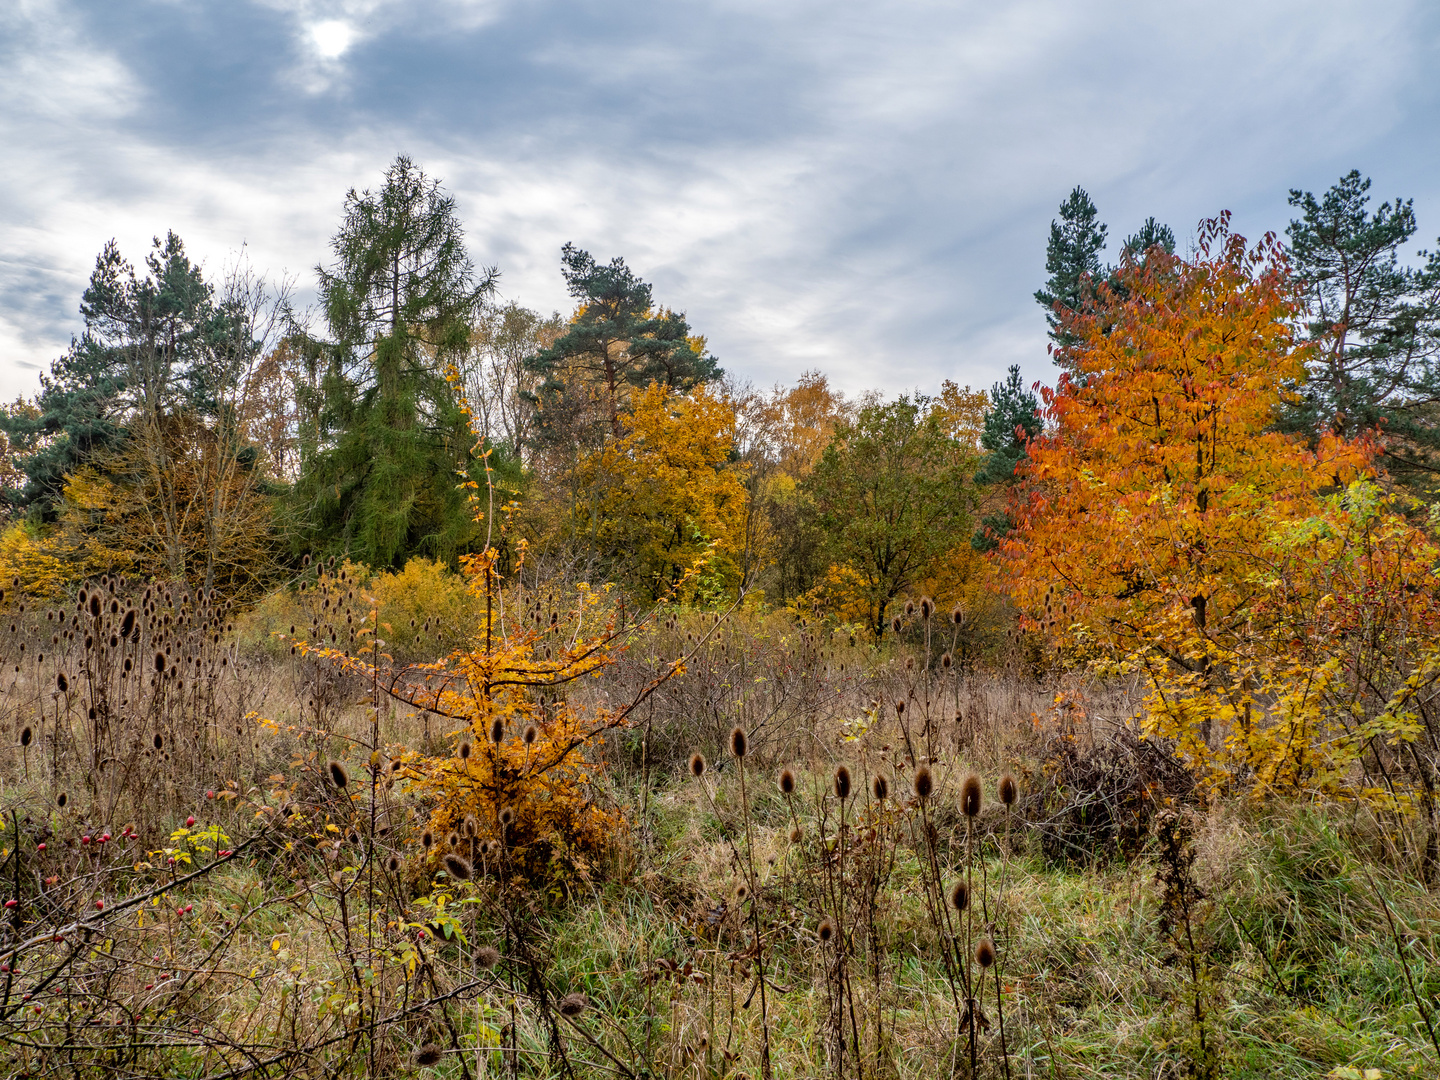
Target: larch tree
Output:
{"points": [[380, 481]]}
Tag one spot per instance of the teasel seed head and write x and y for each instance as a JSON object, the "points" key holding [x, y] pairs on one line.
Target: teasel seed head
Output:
{"points": [[842, 782], [160, 662], [471, 826], [487, 956], [497, 731], [427, 1055], [738, 743], [26, 735], [970, 796], [338, 776], [880, 788], [61, 800], [453, 839], [899, 706], [741, 892], [927, 607], [795, 834], [985, 951], [787, 781], [531, 734], [697, 765], [1009, 791], [458, 868], [924, 782], [895, 624], [62, 683], [393, 864], [465, 750], [427, 839], [909, 608], [959, 896], [158, 741], [573, 1004], [825, 931], [507, 816], [946, 660]]}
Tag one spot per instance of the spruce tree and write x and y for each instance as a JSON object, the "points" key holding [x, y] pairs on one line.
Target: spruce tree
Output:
{"points": [[381, 483], [617, 340], [1014, 419], [1374, 324], [1072, 259]]}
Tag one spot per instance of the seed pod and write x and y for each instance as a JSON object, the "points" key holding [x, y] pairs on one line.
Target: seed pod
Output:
{"points": [[573, 1004], [427, 839], [924, 782], [392, 864], [985, 951], [946, 660], [158, 741], [825, 931], [842, 782], [458, 868], [795, 834], [531, 734], [899, 706], [453, 840], [909, 608], [338, 776], [741, 892], [738, 745], [697, 765], [160, 662], [471, 827], [970, 796], [497, 731], [487, 956], [957, 615], [895, 624], [880, 788], [427, 1055], [62, 683], [959, 896], [465, 750], [507, 816], [927, 608], [61, 800], [95, 606], [787, 782], [1009, 791]]}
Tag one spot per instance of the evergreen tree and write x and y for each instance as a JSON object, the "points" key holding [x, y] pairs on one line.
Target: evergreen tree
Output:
{"points": [[1374, 324], [1072, 259], [1149, 235], [1012, 421], [152, 346], [615, 341], [381, 481]]}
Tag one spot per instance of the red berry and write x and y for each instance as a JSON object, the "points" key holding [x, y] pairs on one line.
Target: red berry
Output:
{"points": [[12, 903], [99, 905], [148, 986], [209, 794], [39, 847], [189, 908], [84, 839], [190, 821]]}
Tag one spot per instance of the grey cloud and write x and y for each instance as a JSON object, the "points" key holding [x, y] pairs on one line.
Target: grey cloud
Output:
{"points": [[861, 188]]}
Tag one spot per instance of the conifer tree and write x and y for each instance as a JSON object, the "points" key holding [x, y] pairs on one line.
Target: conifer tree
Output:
{"points": [[1013, 420], [1072, 259], [381, 483], [617, 340], [1374, 324]]}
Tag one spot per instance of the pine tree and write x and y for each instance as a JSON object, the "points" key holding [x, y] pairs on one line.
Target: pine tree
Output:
{"points": [[616, 341], [152, 346], [1072, 259], [1374, 325], [381, 481], [1011, 423]]}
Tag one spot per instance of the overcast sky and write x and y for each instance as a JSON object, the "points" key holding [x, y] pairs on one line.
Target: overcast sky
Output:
{"points": [[859, 187]]}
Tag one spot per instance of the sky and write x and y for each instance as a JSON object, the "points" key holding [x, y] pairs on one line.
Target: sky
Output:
{"points": [[863, 188]]}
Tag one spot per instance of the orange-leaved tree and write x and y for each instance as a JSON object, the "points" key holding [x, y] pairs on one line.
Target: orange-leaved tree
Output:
{"points": [[1154, 521]]}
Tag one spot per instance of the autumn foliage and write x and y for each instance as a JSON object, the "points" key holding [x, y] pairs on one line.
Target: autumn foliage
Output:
{"points": [[1167, 529]]}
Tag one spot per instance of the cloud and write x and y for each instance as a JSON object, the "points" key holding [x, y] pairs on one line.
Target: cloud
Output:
{"points": [[861, 188]]}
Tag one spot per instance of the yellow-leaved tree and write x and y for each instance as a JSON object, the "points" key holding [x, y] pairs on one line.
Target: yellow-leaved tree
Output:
{"points": [[666, 494]]}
